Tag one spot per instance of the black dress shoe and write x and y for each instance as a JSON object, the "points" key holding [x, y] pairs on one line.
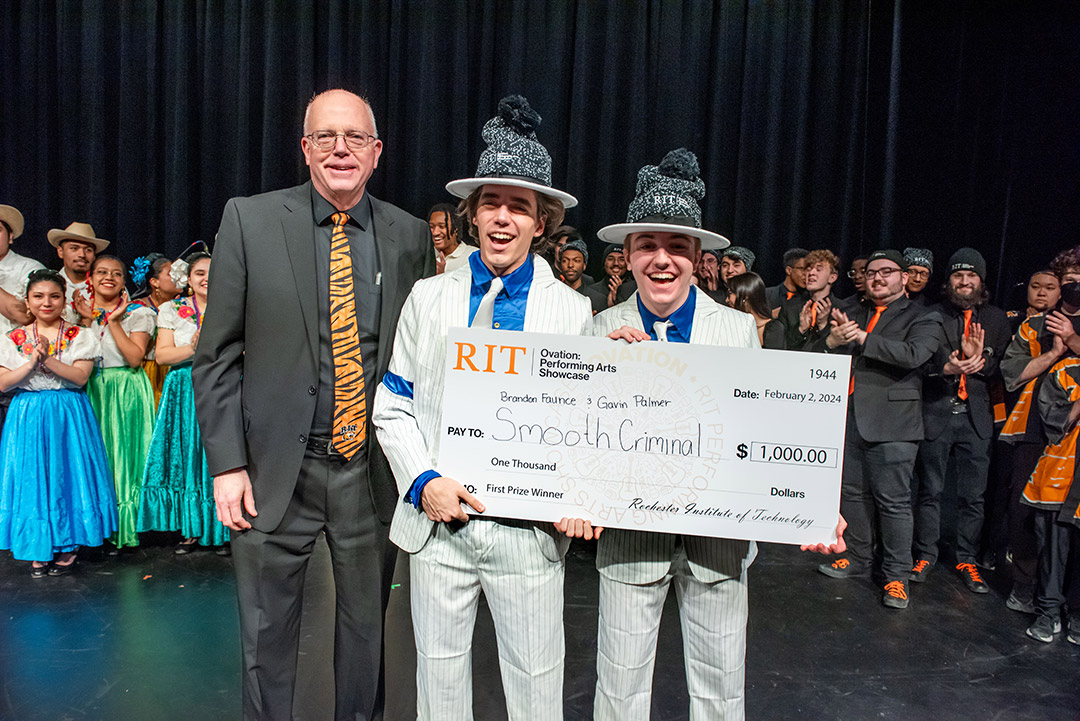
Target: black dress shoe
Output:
{"points": [[38, 571], [224, 550], [57, 570], [183, 549]]}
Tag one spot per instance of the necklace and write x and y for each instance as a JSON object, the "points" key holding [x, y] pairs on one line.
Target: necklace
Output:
{"points": [[105, 314], [198, 313], [54, 349]]}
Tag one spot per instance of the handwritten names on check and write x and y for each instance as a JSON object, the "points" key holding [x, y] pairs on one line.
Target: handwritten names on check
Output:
{"points": [[676, 438]]}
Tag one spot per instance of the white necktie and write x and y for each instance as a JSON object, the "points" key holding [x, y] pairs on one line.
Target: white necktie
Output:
{"points": [[660, 328], [485, 312]]}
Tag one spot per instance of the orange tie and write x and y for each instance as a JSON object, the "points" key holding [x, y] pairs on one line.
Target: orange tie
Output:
{"points": [[963, 376], [813, 316], [878, 310], [789, 294], [350, 402]]}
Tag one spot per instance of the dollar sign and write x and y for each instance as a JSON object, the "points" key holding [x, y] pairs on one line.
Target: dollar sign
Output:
{"points": [[741, 453]]}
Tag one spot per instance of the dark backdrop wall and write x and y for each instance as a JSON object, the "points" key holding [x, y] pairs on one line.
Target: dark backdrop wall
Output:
{"points": [[845, 125]]}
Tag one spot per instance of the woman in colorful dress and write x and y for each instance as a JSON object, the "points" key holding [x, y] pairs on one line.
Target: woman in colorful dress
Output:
{"points": [[178, 491], [154, 286], [120, 391], [56, 491]]}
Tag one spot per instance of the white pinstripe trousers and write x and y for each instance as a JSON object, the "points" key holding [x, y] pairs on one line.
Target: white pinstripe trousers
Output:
{"points": [[524, 590], [713, 617]]}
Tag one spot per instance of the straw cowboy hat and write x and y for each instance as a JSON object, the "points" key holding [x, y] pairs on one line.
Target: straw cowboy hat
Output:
{"points": [[11, 215], [81, 232]]}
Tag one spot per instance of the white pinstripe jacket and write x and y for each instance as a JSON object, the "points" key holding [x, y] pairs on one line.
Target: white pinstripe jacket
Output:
{"points": [[409, 428], [642, 557]]}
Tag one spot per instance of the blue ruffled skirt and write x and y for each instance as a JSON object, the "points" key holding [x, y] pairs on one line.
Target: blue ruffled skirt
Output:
{"points": [[56, 490], [177, 488]]}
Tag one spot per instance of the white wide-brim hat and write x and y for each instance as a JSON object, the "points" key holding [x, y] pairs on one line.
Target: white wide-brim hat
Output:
{"points": [[617, 233], [464, 187]]}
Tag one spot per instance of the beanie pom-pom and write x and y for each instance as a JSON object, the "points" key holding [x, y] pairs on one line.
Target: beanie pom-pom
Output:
{"points": [[516, 112], [680, 163]]}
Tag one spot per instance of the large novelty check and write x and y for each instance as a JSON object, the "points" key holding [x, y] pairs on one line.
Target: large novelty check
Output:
{"points": [[702, 440]]}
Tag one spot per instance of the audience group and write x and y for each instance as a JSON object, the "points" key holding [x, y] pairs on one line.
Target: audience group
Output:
{"points": [[99, 440], [945, 386]]}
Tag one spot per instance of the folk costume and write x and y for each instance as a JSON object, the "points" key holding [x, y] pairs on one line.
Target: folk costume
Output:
{"points": [[56, 491], [177, 488], [123, 401]]}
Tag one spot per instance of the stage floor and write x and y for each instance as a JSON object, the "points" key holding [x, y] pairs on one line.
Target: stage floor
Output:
{"points": [[150, 635]]}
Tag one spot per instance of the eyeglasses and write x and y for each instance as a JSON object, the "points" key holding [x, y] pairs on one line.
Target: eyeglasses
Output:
{"points": [[326, 140], [885, 273], [856, 273], [919, 274]]}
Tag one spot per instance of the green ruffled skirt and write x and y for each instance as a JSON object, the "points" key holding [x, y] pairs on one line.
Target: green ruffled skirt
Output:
{"points": [[123, 402], [178, 490]]}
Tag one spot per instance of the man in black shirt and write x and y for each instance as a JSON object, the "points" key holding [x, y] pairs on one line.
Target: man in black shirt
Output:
{"points": [[958, 417]]}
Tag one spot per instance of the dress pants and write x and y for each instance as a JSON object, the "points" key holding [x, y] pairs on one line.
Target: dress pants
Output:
{"points": [[971, 456], [524, 591], [1025, 556], [1059, 565], [877, 485], [713, 617], [331, 496]]}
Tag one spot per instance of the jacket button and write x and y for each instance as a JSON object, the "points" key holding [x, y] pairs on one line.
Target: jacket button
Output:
{"points": [[303, 438], [312, 390]]}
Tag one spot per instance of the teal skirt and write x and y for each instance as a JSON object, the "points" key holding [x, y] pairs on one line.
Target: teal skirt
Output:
{"points": [[123, 402], [177, 489]]}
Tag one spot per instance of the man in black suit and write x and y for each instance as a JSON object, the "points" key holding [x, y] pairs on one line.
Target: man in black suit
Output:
{"points": [[958, 416], [890, 339], [265, 379]]}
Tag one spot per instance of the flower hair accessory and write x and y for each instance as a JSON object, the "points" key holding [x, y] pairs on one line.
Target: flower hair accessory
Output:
{"points": [[179, 274], [139, 270]]}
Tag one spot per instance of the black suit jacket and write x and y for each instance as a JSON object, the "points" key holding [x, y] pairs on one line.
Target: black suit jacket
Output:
{"points": [[938, 388], [256, 368], [790, 310], [888, 369]]}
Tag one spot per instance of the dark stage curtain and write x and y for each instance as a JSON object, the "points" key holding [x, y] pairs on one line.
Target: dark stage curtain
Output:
{"points": [[844, 125]]}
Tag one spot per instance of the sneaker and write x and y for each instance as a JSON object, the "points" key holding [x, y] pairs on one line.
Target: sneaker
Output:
{"points": [[971, 578], [1021, 599], [920, 570], [1044, 628], [840, 568], [895, 594], [1073, 636]]}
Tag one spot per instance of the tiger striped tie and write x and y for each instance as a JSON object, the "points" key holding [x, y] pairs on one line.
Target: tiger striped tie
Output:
{"points": [[350, 402]]}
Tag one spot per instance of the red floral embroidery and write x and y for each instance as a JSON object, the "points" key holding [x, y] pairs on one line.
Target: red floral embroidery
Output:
{"points": [[22, 341], [71, 332], [185, 311]]}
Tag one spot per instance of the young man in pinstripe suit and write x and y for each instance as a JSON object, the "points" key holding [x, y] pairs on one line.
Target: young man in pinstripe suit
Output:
{"points": [[517, 564], [662, 241]]}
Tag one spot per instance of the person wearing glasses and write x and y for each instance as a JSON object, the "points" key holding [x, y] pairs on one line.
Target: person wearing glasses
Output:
{"points": [[305, 292], [920, 267], [890, 339]]}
